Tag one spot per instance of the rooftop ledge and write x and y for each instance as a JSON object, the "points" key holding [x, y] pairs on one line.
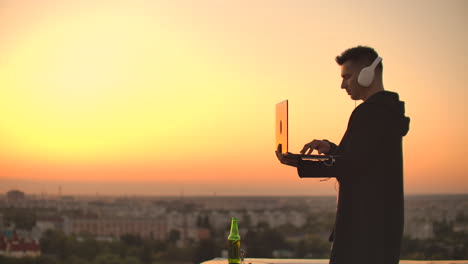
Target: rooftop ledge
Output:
{"points": [[324, 261]]}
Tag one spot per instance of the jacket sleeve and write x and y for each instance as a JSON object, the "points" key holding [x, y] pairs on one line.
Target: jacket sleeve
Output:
{"points": [[367, 128], [333, 147], [315, 169]]}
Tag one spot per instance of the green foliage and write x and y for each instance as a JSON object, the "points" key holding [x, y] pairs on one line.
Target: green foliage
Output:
{"points": [[107, 259], [174, 236], [146, 254], [130, 249], [37, 260], [319, 223], [56, 243], [312, 246], [132, 240], [177, 254], [88, 249], [21, 217], [262, 241], [205, 250], [446, 244], [76, 260]]}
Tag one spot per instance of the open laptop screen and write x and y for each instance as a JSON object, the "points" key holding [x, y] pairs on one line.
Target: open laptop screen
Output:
{"points": [[282, 136], [282, 126]]}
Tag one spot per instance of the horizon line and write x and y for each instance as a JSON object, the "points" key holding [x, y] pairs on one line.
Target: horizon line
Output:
{"points": [[208, 196]]}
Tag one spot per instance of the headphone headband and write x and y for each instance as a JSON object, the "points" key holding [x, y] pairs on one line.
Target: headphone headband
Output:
{"points": [[375, 62]]}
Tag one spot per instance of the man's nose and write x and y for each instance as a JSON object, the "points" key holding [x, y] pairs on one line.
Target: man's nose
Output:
{"points": [[343, 85]]}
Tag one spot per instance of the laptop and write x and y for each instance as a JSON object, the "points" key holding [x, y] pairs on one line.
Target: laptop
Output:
{"points": [[282, 134]]}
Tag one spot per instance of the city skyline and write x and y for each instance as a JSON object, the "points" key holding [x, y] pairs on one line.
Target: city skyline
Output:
{"points": [[163, 98]]}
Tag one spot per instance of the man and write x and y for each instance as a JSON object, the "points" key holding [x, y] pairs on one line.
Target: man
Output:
{"points": [[368, 167]]}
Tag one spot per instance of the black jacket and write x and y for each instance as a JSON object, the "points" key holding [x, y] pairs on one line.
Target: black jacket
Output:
{"points": [[369, 219]]}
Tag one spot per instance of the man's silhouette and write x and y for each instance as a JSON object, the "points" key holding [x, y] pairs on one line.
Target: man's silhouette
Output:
{"points": [[369, 166]]}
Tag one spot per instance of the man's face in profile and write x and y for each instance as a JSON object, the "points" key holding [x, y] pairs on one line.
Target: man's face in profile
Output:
{"points": [[350, 73]]}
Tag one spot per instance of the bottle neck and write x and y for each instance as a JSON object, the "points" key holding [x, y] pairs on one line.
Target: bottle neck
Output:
{"points": [[234, 234]]}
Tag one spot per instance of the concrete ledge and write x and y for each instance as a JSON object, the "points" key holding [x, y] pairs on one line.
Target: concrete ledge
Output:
{"points": [[324, 261]]}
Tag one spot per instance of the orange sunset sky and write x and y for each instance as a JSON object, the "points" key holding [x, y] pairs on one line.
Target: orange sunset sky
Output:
{"points": [[138, 97]]}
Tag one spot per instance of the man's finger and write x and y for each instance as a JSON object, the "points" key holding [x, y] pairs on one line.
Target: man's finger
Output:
{"points": [[311, 145], [278, 149], [279, 155], [306, 148]]}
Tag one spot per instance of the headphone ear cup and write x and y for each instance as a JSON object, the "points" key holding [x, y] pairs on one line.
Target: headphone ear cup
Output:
{"points": [[366, 76]]}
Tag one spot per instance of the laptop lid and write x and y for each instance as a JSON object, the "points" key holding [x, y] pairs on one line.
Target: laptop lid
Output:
{"points": [[282, 130], [282, 126]]}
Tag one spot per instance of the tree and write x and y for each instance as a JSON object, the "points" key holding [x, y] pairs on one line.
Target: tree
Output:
{"points": [[146, 255], [88, 249], [263, 241], [55, 242], [23, 218], [108, 259], [174, 236], [131, 260], [132, 240], [205, 250], [76, 260]]}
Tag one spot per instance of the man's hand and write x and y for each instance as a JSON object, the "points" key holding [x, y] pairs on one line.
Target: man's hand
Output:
{"points": [[290, 160], [322, 146]]}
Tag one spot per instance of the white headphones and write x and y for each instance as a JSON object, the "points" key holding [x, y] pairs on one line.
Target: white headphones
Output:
{"points": [[366, 76]]}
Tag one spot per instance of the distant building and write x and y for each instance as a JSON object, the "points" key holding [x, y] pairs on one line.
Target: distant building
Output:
{"points": [[18, 247], [15, 196], [106, 227], [419, 230], [460, 227], [47, 223]]}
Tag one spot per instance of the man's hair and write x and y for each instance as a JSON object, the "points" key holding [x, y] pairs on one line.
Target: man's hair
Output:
{"points": [[362, 55]]}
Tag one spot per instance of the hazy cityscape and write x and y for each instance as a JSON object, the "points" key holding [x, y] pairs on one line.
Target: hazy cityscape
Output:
{"points": [[130, 229]]}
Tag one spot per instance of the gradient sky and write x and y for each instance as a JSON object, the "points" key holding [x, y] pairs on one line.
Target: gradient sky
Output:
{"points": [[141, 97]]}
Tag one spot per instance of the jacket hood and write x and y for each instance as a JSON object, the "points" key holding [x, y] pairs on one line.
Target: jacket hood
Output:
{"points": [[391, 101]]}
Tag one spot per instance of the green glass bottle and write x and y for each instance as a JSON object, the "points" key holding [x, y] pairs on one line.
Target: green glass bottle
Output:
{"points": [[234, 256]]}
